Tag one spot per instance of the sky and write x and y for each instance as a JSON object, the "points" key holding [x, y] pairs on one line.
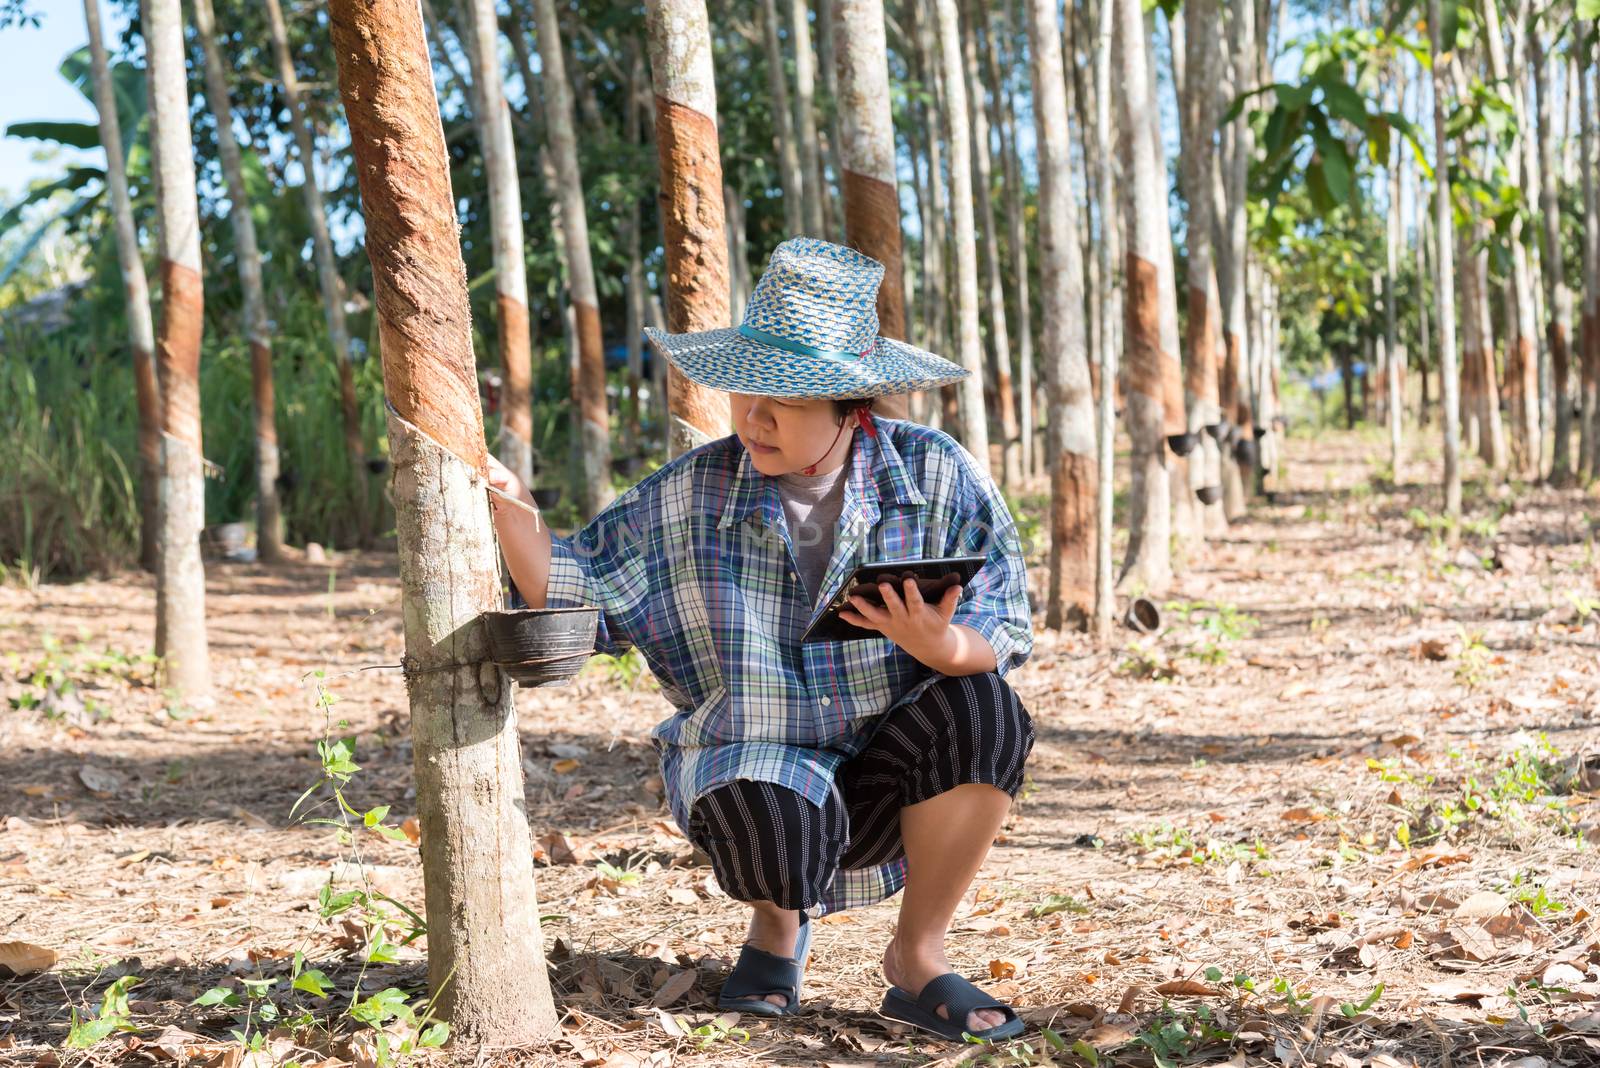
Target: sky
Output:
{"points": [[32, 88]]}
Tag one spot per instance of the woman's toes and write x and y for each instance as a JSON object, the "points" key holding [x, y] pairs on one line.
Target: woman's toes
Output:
{"points": [[984, 1019]]}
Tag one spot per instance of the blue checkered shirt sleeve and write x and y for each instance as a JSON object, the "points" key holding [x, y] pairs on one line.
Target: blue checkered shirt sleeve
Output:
{"points": [[995, 602]]}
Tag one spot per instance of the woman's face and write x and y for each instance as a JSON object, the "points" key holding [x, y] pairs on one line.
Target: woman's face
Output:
{"points": [[784, 435]]}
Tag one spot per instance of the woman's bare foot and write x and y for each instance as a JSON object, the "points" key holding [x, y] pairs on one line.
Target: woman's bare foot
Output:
{"points": [[912, 967], [774, 930]]}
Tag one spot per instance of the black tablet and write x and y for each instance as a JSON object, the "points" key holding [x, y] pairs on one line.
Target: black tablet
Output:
{"points": [[933, 577]]}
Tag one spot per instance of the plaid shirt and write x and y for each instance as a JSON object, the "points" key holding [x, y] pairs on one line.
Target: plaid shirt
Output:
{"points": [[694, 567]]}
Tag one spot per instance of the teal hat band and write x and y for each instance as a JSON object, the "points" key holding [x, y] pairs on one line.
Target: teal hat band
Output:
{"points": [[799, 348]]}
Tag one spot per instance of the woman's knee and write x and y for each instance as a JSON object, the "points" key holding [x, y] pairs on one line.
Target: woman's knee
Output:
{"points": [[984, 733], [769, 843]]}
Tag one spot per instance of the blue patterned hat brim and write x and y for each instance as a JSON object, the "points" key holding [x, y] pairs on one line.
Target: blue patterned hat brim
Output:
{"points": [[727, 360]]}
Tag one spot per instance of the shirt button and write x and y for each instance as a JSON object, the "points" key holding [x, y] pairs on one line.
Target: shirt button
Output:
{"points": [[825, 701], [793, 576]]}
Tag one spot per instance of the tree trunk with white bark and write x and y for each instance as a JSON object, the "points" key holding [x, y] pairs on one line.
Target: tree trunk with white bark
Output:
{"points": [[485, 962], [135, 295], [180, 577], [692, 217]]}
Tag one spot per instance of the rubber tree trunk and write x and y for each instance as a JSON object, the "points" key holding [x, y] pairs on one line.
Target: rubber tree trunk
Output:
{"points": [[633, 242], [269, 512], [972, 422], [805, 103], [485, 963], [1201, 111], [1184, 516], [1522, 347], [695, 239], [1106, 428], [935, 289], [1233, 256], [1588, 320], [1558, 298], [1073, 478], [833, 154], [867, 154], [1394, 351], [135, 294], [180, 576], [1148, 565], [332, 286], [1484, 374], [1016, 231], [1589, 427], [789, 173], [994, 301], [1444, 232], [560, 130], [493, 115]]}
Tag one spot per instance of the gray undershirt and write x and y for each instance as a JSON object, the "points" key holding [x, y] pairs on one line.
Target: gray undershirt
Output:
{"points": [[811, 505]]}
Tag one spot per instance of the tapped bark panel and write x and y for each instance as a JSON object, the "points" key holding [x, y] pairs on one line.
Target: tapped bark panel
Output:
{"points": [[178, 351], [872, 226], [515, 403], [693, 218], [419, 279], [1142, 322]]}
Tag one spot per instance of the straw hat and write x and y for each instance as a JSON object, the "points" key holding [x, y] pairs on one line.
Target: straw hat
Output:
{"points": [[810, 330]]}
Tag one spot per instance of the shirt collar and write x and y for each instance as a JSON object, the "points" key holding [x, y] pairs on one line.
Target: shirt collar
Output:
{"points": [[875, 463]]}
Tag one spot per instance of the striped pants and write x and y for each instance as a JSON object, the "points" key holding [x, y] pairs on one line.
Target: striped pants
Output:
{"points": [[769, 843]]}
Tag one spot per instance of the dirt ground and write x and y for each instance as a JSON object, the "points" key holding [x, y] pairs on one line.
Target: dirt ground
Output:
{"points": [[1340, 811]]}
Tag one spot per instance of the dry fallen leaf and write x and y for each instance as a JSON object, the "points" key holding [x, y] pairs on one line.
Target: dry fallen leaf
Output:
{"points": [[1303, 814], [24, 958], [682, 895], [1186, 988], [102, 782], [675, 987], [1007, 968], [564, 767]]}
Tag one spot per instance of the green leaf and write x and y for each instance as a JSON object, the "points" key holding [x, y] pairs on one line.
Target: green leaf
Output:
{"points": [[433, 1036], [313, 982], [1589, 9], [73, 134], [86, 1033], [1336, 168], [373, 817], [218, 995], [1341, 100]]}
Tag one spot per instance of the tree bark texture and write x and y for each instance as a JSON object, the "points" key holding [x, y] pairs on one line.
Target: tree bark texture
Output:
{"points": [[1016, 229], [867, 154], [493, 116], [790, 176], [485, 963], [135, 294], [1558, 298], [269, 511], [691, 204], [594, 441], [1444, 232], [805, 102], [1148, 565], [328, 279], [994, 302], [1106, 428], [180, 576], [971, 416], [1073, 475]]}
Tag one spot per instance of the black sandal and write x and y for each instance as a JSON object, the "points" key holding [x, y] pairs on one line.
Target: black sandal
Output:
{"points": [[759, 973], [959, 998]]}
